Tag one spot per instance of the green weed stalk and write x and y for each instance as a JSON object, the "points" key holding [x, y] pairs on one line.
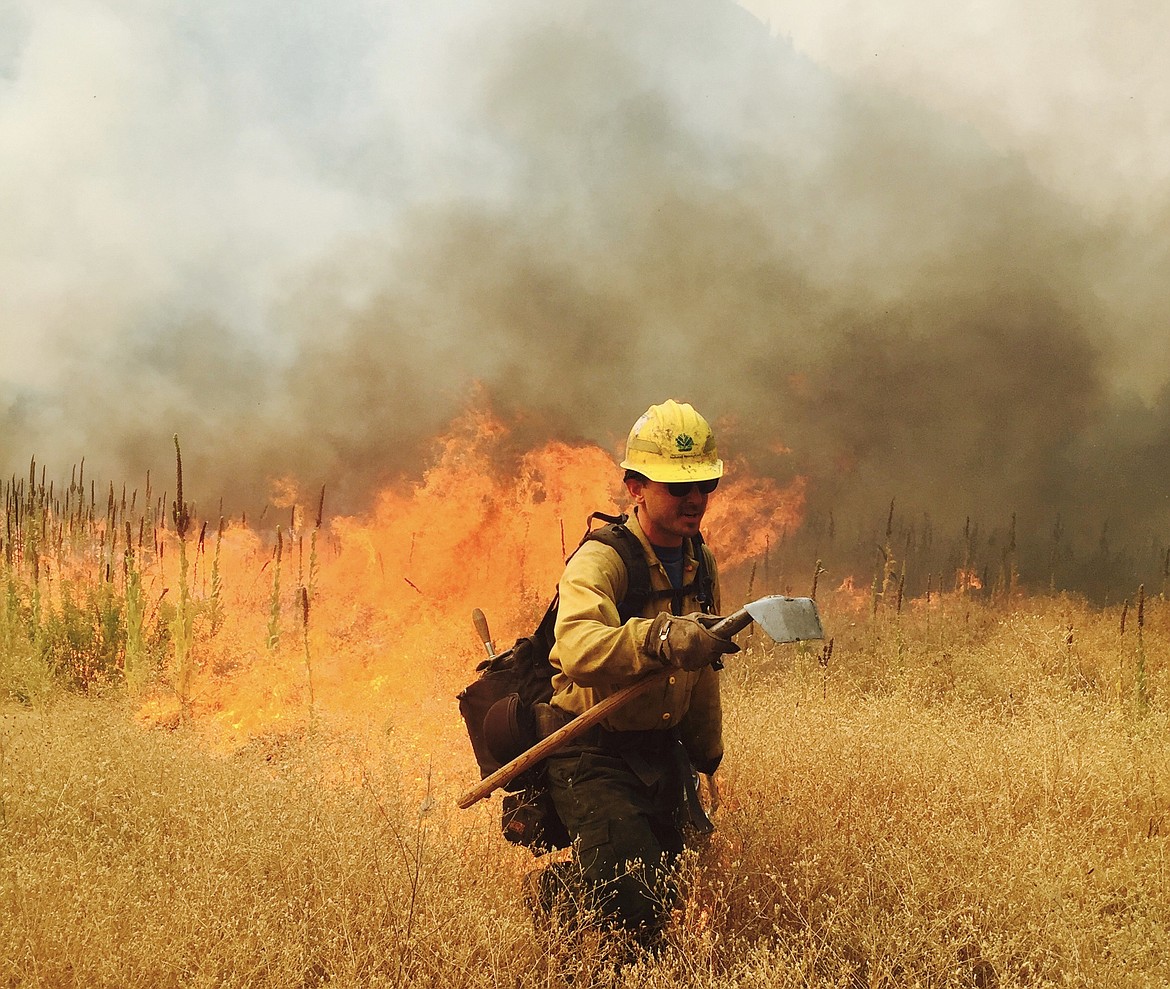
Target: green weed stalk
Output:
{"points": [[308, 591], [887, 565], [135, 665], [182, 625], [1008, 581]]}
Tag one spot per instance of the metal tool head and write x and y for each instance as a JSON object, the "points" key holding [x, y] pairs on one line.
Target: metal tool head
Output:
{"points": [[787, 619]]}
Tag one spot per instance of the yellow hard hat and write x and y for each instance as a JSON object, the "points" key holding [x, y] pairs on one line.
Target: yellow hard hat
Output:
{"points": [[672, 442]]}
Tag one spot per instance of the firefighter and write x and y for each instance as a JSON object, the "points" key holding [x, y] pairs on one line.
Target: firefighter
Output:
{"points": [[622, 789]]}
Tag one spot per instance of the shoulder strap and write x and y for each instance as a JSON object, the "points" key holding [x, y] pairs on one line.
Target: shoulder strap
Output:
{"points": [[545, 633], [616, 536], [704, 582]]}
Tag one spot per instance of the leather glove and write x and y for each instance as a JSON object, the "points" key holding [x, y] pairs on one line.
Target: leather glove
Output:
{"points": [[686, 641]]}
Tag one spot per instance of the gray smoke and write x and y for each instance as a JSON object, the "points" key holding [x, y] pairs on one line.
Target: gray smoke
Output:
{"points": [[303, 240]]}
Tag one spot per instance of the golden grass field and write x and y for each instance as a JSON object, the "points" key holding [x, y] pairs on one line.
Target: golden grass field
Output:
{"points": [[969, 801], [231, 758]]}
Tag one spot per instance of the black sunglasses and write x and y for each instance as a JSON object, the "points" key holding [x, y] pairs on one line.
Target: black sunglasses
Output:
{"points": [[680, 489]]}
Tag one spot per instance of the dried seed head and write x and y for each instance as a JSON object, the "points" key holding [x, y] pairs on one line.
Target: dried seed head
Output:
{"points": [[826, 653], [179, 510]]}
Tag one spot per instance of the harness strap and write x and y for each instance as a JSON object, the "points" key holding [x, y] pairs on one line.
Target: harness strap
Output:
{"points": [[618, 537], [639, 592]]}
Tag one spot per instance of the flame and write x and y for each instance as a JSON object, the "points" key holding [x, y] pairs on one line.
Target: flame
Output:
{"points": [[849, 597], [967, 580], [370, 617], [751, 514]]}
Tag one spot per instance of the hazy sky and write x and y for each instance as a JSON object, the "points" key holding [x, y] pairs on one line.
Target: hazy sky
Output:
{"points": [[915, 246], [1080, 89]]}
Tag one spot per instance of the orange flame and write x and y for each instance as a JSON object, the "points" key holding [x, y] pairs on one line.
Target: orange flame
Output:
{"points": [[967, 580], [388, 636]]}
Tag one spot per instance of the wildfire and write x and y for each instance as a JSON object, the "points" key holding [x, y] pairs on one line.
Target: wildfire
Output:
{"points": [[851, 597], [967, 580], [848, 596], [369, 617]]}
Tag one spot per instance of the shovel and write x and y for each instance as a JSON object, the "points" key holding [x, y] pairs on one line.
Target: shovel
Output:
{"points": [[783, 619]]}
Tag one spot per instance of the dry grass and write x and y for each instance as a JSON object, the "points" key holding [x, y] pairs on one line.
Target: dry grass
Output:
{"points": [[135, 858], [962, 797], [968, 791]]}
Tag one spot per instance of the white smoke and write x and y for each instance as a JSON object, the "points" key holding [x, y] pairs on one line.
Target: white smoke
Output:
{"points": [[901, 244]]}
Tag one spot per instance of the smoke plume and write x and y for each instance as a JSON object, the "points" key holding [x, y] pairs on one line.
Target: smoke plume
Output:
{"points": [[304, 239]]}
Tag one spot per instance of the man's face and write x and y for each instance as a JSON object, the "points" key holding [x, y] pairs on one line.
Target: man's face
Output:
{"points": [[666, 518]]}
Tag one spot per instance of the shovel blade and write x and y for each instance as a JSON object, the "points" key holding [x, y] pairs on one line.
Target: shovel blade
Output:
{"points": [[787, 619]]}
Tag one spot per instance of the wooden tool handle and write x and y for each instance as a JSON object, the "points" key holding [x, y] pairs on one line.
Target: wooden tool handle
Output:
{"points": [[481, 626], [725, 628], [544, 748]]}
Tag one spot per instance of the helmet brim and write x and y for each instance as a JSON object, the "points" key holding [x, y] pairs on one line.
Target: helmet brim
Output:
{"points": [[683, 470]]}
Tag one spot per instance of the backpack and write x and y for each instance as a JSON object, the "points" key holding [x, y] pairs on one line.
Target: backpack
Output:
{"points": [[500, 707]]}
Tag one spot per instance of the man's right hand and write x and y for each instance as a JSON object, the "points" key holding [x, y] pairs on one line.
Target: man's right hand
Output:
{"points": [[686, 641]]}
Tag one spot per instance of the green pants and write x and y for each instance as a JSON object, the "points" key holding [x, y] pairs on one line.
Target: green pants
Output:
{"points": [[626, 830]]}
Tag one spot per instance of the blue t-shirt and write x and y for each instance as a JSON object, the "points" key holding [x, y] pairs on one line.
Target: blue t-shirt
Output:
{"points": [[671, 558]]}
